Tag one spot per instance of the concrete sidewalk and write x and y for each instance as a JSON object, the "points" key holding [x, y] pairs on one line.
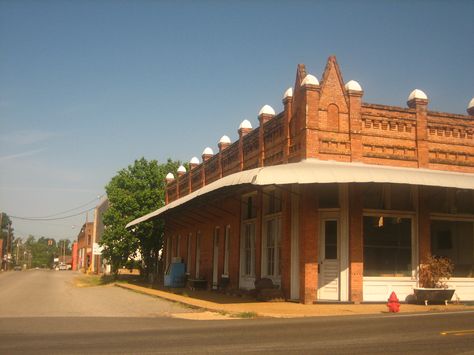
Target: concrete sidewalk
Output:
{"points": [[248, 308]]}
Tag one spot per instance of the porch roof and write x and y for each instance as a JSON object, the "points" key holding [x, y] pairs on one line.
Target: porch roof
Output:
{"points": [[314, 171]]}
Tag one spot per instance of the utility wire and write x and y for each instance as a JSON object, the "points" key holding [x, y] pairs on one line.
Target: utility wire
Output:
{"points": [[51, 219], [60, 213]]}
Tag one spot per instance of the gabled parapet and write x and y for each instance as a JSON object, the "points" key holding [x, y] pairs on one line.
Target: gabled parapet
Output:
{"points": [[327, 120]]}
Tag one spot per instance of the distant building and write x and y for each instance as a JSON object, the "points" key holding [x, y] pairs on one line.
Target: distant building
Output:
{"points": [[1, 253], [333, 199], [74, 256], [98, 265], [84, 246]]}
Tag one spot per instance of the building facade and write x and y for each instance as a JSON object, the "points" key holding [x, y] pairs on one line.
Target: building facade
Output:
{"points": [[333, 198], [84, 247], [98, 263]]}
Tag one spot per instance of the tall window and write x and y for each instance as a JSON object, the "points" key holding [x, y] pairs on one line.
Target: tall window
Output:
{"points": [[450, 201], [272, 233], [387, 246], [226, 250], [247, 241], [248, 248], [455, 240], [398, 197], [198, 252], [188, 253], [168, 251]]}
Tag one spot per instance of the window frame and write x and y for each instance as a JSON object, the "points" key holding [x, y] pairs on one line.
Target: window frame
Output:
{"points": [[272, 215], [248, 221], [413, 242], [452, 218], [226, 249]]}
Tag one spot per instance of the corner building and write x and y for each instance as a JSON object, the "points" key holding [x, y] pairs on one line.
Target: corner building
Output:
{"points": [[334, 199]]}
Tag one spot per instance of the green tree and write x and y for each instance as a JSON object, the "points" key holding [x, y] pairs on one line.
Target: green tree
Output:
{"points": [[133, 192], [7, 240], [43, 251]]}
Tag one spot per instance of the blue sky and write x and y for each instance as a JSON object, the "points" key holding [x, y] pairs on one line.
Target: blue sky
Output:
{"points": [[87, 87]]}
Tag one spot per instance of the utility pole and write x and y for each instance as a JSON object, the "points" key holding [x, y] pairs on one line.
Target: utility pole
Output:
{"points": [[8, 248]]}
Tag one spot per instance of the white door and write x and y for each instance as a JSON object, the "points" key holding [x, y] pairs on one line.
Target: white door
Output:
{"points": [[329, 263], [215, 263]]}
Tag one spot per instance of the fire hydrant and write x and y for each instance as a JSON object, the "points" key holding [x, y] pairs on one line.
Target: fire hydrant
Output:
{"points": [[393, 304]]}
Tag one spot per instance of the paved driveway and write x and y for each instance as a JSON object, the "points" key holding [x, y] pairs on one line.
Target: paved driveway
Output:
{"points": [[45, 293]]}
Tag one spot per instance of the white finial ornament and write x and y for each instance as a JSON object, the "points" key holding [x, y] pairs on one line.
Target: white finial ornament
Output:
{"points": [[310, 80], [353, 86], [288, 93], [225, 140], [194, 160], [470, 107], [208, 151], [266, 110], [417, 94], [245, 124]]}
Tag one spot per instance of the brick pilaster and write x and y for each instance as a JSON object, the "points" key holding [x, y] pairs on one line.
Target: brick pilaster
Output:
{"points": [[242, 132], [356, 243], [308, 245], [262, 118], [421, 111], [288, 109], [424, 224], [355, 124]]}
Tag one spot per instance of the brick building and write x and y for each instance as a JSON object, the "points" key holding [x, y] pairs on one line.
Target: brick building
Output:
{"points": [[98, 265], [333, 198], [84, 246]]}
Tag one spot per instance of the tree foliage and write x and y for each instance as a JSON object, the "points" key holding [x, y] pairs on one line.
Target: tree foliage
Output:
{"points": [[4, 228], [39, 252], [6, 222], [133, 192]]}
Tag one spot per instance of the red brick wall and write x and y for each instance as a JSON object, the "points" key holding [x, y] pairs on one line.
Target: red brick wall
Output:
{"points": [[329, 123], [309, 234], [356, 247]]}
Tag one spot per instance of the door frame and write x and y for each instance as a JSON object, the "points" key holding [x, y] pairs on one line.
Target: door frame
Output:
{"points": [[329, 216], [215, 258]]}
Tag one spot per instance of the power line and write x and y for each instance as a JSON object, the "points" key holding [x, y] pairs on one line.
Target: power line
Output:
{"points": [[51, 219], [60, 213]]}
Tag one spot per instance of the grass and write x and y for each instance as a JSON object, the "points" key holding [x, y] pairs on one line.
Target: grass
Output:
{"points": [[92, 280], [246, 315]]}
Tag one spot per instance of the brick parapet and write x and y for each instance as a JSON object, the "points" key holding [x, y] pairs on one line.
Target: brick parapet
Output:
{"points": [[330, 123]]}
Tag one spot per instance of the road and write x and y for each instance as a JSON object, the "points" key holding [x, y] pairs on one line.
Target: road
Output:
{"points": [[47, 293], [447, 333]]}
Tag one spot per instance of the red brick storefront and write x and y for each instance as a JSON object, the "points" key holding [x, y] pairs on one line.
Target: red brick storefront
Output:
{"points": [[344, 222]]}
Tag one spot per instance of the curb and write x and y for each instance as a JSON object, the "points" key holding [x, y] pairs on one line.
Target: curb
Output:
{"points": [[176, 298]]}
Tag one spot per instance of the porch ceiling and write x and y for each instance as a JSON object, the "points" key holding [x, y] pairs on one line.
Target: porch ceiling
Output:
{"points": [[313, 171]]}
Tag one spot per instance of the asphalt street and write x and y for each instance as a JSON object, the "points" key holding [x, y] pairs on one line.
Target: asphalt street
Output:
{"points": [[435, 333], [48, 293]]}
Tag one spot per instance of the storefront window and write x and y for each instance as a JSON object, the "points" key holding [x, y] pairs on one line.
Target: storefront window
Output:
{"points": [[248, 249], [451, 201], [249, 207], [328, 196], [272, 202], [272, 246], [387, 246], [397, 197], [455, 240], [247, 239]]}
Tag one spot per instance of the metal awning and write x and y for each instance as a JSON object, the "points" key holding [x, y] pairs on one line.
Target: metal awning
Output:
{"points": [[313, 171]]}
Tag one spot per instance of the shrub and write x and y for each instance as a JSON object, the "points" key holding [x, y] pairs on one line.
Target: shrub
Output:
{"points": [[435, 272]]}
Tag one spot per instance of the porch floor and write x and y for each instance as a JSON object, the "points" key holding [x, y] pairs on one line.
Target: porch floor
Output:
{"points": [[234, 306]]}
